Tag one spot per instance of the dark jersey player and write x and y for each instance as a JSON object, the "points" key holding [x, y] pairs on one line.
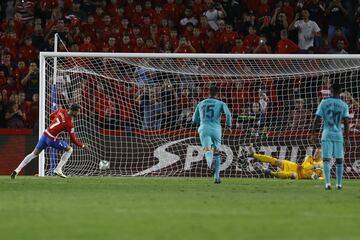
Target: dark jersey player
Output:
{"points": [[61, 120]]}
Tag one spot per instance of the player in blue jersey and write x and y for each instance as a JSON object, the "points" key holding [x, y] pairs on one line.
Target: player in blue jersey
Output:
{"points": [[332, 111], [208, 115]]}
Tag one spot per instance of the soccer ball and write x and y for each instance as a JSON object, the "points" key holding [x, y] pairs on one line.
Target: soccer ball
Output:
{"points": [[103, 165]]}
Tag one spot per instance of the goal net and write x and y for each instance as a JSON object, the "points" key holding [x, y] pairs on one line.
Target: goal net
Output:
{"points": [[137, 109]]}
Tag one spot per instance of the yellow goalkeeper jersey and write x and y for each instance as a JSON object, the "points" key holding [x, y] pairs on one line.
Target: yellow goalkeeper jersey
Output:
{"points": [[308, 167]]}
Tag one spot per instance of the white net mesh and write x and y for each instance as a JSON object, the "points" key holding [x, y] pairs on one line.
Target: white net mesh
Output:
{"points": [[137, 111]]}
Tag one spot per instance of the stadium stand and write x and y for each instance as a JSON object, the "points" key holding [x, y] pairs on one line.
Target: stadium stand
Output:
{"points": [[182, 26]]}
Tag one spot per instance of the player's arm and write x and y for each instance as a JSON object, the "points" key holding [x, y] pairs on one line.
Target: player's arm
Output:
{"points": [[71, 131], [316, 123], [196, 116], [228, 116], [345, 118]]}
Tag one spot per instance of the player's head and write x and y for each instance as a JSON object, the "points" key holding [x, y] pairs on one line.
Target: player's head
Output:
{"points": [[75, 109], [317, 154], [213, 89], [336, 89]]}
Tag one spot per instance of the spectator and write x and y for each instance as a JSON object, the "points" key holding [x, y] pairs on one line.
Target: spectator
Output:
{"points": [[196, 40], [62, 30], [324, 91], [263, 8], [87, 46], [187, 106], [150, 47], [184, 46], [288, 10], [250, 120], [240, 95], [140, 46], [299, 118], [263, 103], [14, 117], [148, 10], [279, 22], [251, 41], [317, 11], [31, 81], [21, 71], [158, 15], [125, 44], [354, 107], [150, 107], [25, 9], [211, 44], [88, 28], [307, 30], [227, 38], [76, 12], [189, 18], [336, 14], [38, 37], [199, 7], [169, 104], [340, 48], [285, 45], [262, 46], [324, 47], [239, 47], [171, 11], [339, 36], [110, 46], [214, 13], [28, 51], [10, 87]]}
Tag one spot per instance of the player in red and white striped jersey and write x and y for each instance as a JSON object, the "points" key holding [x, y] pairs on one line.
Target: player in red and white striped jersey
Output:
{"points": [[61, 121]]}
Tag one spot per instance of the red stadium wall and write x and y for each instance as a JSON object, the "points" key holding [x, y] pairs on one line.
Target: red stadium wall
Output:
{"points": [[14, 145]]}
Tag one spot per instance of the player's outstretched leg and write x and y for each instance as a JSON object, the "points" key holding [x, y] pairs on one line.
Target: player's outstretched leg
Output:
{"points": [[339, 172], [261, 157], [64, 158], [217, 159], [326, 170], [24, 162]]}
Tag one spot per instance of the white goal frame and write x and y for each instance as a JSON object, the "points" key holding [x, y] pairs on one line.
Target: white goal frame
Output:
{"points": [[42, 70]]}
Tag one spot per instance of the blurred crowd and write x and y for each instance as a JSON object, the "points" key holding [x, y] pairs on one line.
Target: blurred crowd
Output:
{"points": [[180, 26]]}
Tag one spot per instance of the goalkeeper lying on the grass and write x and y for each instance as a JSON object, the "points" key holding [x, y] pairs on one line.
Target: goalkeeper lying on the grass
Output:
{"points": [[311, 168]]}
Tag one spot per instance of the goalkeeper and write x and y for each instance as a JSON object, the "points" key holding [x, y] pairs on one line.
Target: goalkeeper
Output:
{"points": [[311, 168]]}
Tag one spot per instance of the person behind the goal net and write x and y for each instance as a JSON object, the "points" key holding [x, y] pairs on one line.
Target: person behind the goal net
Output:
{"points": [[61, 120], [311, 167], [208, 115], [332, 111]]}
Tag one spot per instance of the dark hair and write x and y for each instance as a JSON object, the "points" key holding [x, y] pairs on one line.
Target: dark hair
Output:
{"points": [[336, 88], [75, 107], [213, 89]]}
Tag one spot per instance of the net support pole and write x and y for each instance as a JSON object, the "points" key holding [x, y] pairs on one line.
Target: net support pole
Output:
{"points": [[42, 96], [53, 152]]}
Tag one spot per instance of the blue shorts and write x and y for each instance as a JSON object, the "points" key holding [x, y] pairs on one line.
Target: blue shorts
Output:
{"points": [[210, 139], [331, 149], [45, 142]]}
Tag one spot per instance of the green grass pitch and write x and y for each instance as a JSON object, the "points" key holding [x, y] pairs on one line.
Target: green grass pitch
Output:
{"points": [[176, 208]]}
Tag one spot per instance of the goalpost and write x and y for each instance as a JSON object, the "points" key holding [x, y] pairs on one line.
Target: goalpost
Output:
{"points": [[137, 108]]}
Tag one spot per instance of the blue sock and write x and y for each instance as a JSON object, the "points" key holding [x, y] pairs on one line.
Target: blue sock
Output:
{"points": [[326, 170], [217, 166], [209, 158], [339, 171]]}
